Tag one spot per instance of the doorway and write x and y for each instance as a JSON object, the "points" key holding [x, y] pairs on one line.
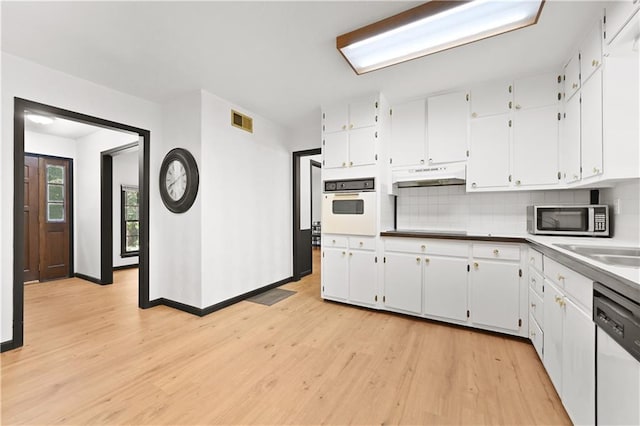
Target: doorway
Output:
{"points": [[21, 108], [48, 218], [302, 212]]}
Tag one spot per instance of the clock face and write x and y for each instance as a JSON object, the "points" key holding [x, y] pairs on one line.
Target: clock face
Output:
{"points": [[176, 180]]}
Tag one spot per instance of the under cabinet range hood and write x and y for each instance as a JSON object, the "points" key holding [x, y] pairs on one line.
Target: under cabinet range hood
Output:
{"points": [[453, 174]]}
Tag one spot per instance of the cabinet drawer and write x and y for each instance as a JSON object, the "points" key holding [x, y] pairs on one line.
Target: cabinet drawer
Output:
{"points": [[536, 335], [407, 245], [579, 288], [535, 259], [536, 307], [536, 282], [362, 243], [496, 251], [334, 241], [446, 248]]}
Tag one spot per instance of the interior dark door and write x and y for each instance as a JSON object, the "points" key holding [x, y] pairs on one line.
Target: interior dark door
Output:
{"points": [[54, 218], [31, 212]]}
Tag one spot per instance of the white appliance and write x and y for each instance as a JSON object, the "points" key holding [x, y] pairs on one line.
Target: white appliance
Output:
{"points": [[450, 174], [349, 207], [617, 357]]}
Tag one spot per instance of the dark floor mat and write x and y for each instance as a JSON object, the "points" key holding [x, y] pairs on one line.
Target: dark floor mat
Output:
{"points": [[271, 297]]}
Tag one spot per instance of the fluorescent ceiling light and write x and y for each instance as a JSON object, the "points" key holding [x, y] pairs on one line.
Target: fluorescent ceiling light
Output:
{"points": [[40, 119], [433, 27]]}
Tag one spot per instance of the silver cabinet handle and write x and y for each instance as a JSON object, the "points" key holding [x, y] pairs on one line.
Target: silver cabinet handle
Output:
{"points": [[418, 259], [423, 247], [496, 252], [421, 161], [426, 260], [533, 305], [473, 185]]}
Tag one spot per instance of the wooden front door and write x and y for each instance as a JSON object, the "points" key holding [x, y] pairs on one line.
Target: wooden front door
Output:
{"points": [[54, 218], [31, 219]]}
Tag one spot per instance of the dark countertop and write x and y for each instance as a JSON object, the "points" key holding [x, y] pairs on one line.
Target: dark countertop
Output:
{"points": [[618, 279]]}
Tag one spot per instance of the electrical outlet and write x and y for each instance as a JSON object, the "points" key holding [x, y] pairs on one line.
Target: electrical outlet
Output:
{"points": [[616, 206]]}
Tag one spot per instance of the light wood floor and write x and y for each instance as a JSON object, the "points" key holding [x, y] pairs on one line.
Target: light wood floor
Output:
{"points": [[92, 357]]}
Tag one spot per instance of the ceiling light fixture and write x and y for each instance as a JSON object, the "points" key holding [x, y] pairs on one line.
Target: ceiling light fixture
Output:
{"points": [[433, 27], [40, 119]]}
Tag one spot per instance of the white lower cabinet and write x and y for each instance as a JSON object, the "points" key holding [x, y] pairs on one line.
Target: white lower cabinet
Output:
{"points": [[495, 294], [403, 282], [445, 287], [569, 350], [334, 273], [349, 274]]}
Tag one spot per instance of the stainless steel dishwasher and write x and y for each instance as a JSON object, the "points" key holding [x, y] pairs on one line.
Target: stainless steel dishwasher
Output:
{"points": [[617, 357]]}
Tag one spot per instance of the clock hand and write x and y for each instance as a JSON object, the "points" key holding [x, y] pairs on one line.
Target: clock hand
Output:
{"points": [[176, 179]]}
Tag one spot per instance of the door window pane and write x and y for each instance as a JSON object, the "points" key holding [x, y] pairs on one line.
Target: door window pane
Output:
{"points": [[55, 212], [130, 221], [55, 193], [55, 174]]}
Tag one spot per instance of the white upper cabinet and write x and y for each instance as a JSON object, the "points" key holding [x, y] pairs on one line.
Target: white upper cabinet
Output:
{"points": [[572, 76], [570, 142], [488, 165], [335, 149], [408, 123], [447, 127], [535, 146], [591, 52], [536, 91], [363, 113], [362, 146], [335, 118], [591, 126], [491, 98], [618, 13]]}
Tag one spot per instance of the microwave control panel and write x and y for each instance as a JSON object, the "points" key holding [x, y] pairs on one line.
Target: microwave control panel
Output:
{"points": [[600, 219]]}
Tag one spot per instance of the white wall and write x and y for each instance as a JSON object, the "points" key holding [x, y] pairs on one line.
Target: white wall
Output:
{"points": [[626, 226], [246, 200], [497, 213], [125, 172], [305, 189], [316, 194], [87, 177], [178, 244], [38, 143], [25, 79]]}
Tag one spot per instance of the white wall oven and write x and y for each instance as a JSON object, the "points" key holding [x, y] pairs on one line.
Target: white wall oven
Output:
{"points": [[349, 207]]}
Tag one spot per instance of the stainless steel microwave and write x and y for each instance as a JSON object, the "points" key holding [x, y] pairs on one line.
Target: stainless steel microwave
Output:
{"points": [[576, 220]]}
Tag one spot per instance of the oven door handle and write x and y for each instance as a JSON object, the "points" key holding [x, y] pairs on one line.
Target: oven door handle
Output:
{"points": [[346, 195]]}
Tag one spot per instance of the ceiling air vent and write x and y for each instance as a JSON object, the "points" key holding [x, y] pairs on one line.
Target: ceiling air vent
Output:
{"points": [[241, 121]]}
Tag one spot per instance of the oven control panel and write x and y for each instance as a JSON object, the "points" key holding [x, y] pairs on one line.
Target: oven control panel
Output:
{"points": [[354, 185]]}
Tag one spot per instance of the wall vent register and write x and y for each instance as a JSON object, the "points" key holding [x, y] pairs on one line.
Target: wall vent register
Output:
{"points": [[241, 121]]}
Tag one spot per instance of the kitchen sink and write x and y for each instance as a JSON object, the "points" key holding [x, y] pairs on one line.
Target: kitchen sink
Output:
{"points": [[616, 256]]}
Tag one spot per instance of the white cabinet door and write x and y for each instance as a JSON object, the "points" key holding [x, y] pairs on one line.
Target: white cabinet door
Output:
{"points": [[445, 285], [536, 91], [570, 141], [572, 76], [334, 118], [335, 149], [403, 282], [363, 113], [362, 146], [591, 53], [408, 134], [553, 320], [491, 98], [488, 164], [591, 126], [618, 14], [334, 274], [447, 127], [362, 277], [578, 365], [535, 146], [495, 294]]}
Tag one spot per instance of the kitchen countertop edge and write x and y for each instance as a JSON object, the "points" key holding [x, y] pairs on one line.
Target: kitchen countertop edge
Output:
{"points": [[614, 281]]}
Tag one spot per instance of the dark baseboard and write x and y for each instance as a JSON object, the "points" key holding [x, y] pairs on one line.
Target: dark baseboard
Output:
{"points": [[120, 268], [88, 278], [220, 305], [8, 345]]}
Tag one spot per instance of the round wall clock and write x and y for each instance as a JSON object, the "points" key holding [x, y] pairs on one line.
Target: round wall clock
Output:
{"points": [[179, 180]]}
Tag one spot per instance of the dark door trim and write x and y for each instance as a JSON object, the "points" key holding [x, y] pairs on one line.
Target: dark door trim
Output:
{"points": [[20, 105], [71, 195], [297, 273]]}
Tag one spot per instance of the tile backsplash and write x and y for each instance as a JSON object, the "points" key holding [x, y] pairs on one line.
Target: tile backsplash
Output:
{"points": [[451, 208], [626, 224]]}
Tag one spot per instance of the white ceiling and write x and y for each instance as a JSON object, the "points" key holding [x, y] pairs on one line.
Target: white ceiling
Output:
{"points": [[277, 59], [62, 128]]}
